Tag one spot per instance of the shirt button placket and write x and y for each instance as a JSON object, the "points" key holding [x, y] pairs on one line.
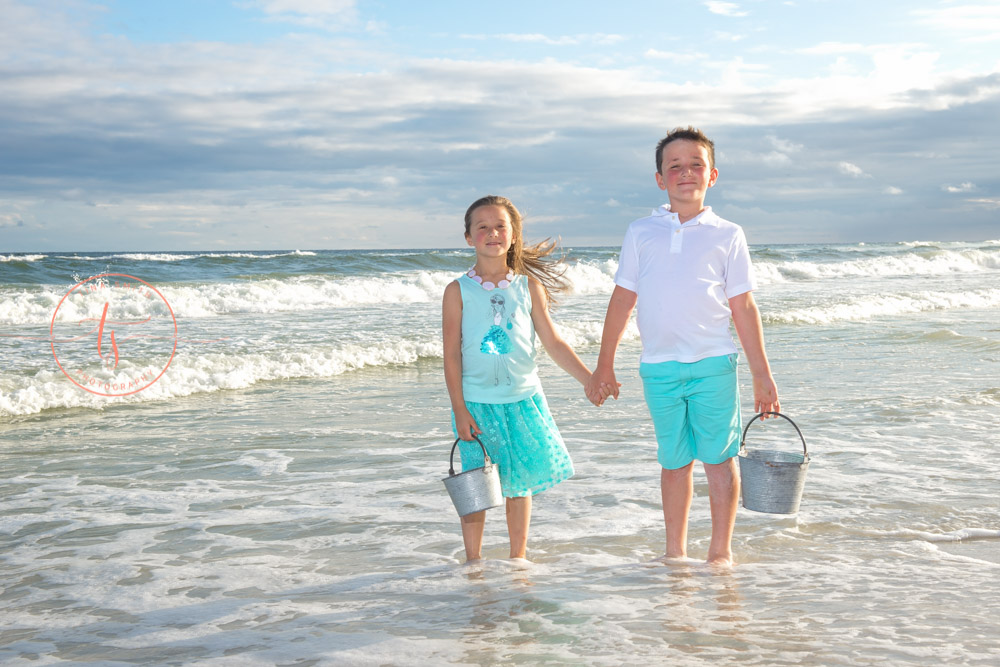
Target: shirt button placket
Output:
{"points": [[676, 240]]}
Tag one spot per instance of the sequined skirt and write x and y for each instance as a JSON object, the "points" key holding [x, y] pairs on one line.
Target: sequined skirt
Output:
{"points": [[523, 440]]}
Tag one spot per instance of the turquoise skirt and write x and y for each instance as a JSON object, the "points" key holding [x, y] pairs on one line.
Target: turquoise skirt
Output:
{"points": [[522, 439]]}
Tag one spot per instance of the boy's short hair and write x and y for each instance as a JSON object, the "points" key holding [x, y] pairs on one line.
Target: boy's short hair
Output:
{"points": [[691, 134]]}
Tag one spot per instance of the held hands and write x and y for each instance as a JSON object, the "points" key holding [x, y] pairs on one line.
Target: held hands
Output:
{"points": [[601, 385]]}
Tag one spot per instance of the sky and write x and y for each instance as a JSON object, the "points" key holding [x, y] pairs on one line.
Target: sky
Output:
{"points": [[332, 124]]}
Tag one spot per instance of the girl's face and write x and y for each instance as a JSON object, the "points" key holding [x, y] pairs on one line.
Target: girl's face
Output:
{"points": [[490, 233]]}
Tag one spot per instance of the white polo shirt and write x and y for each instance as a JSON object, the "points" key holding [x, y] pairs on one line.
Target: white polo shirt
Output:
{"points": [[684, 275]]}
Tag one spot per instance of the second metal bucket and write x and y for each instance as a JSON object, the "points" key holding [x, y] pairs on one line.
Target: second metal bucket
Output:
{"points": [[473, 490], [772, 480]]}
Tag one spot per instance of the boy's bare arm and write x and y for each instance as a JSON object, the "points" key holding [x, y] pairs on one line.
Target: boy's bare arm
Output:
{"points": [[603, 383], [746, 318]]}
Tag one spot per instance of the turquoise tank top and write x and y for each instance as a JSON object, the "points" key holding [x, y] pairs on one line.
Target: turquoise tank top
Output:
{"points": [[498, 342]]}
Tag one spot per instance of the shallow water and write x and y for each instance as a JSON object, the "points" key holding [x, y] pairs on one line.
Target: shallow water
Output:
{"points": [[245, 517]]}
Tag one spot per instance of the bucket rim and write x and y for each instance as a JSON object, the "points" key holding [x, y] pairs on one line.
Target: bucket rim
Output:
{"points": [[749, 455], [486, 469]]}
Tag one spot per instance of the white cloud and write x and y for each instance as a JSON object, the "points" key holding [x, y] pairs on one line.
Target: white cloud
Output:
{"points": [[538, 38], [326, 14], [304, 7], [738, 76], [977, 22], [842, 67], [879, 75], [775, 159], [9, 220], [892, 190], [783, 145], [835, 48], [852, 170], [674, 56], [964, 187], [724, 8], [727, 36], [903, 68]]}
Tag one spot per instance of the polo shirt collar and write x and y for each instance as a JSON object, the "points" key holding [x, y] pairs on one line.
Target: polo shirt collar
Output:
{"points": [[706, 217]]}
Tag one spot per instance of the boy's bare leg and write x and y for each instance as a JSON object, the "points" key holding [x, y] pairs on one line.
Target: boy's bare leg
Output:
{"points": [[723, 495], [676, 490], [518, 519], [472, 534]]}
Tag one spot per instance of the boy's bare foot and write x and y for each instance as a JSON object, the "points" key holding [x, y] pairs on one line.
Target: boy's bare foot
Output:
{"points": [[673, 560], [721, 561]]}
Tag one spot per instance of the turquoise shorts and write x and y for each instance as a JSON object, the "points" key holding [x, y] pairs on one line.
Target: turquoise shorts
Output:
{"points": [[695, 410]]}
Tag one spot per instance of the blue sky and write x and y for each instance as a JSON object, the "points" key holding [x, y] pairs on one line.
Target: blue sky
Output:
{"points": [[279, 124]]}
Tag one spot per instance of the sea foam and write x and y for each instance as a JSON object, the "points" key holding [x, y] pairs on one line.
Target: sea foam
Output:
{"points": [[936, 263], [886, 305], [269, 295], [22, 258], [180, 257], [205, 373], [23, 307]]}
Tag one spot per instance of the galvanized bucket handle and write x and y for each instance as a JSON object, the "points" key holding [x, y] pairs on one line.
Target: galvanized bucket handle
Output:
{"points": [[743, 441], [451, 460]]}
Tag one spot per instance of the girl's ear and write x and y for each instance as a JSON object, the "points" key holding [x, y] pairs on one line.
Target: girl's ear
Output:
{"points": [[468, 239]]}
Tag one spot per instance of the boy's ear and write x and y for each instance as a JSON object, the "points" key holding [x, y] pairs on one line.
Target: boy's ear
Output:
{"points": [[713, 176], [468, 239], [659, 181]]}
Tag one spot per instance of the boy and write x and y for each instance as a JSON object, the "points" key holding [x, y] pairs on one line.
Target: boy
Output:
{"points": [[689, 271]]}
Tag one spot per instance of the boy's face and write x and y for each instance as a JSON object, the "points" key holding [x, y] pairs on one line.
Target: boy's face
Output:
{"points": [[685, 173]]}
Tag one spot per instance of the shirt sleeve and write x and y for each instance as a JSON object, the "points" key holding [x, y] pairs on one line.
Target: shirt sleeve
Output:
{"points": [[739, 270], [627, 275]]}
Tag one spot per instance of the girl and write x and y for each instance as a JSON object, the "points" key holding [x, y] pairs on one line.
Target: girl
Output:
{"points": [[490, 318]]}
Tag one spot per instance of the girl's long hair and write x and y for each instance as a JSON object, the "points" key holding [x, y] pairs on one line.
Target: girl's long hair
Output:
{"points": [[535, 260]]}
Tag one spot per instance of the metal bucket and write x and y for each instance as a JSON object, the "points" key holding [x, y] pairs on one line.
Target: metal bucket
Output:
{"points": [[772, 480], [473, 490]]}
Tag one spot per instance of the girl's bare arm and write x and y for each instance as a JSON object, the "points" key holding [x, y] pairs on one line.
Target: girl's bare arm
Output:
{"points": [[558, 349], [451, 331]]}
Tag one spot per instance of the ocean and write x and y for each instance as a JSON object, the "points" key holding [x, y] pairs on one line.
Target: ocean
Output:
{"points": [[248, 470]]}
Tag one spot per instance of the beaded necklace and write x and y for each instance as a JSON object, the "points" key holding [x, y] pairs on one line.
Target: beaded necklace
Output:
{"points": [[503, 284]]}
